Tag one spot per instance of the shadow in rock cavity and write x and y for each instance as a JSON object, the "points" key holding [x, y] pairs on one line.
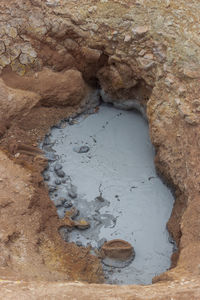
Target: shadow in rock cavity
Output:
{"points": [[101, 171]]}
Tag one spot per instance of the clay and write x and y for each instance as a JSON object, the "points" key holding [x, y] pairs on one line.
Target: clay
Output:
{"points": [[117, 189], [161, 47]]}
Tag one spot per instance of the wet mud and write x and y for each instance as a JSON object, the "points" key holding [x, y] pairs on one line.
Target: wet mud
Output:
{"points": [[101, 173]]}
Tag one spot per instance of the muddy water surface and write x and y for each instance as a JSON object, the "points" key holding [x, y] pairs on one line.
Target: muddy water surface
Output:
{"points": [[114, 185]]}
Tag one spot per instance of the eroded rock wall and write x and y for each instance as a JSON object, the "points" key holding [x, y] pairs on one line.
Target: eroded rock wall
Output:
{"points": [[52, 53]]}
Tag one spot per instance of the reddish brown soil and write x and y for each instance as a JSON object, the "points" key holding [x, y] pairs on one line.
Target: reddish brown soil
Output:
{"points": [[49, 257]]}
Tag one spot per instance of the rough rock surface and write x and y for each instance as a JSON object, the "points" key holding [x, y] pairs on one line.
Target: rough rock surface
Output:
{"points": [[143, 50]]}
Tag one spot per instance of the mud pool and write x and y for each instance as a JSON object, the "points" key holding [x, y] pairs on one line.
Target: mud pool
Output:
{"points": [[102, 164]]}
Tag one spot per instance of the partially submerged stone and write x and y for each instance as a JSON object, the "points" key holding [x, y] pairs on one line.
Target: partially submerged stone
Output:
{"points": [[57, 167], [117, 253], [81, 149], [82, 224], [68, 203], [60, 173], [57, 181], [72, 213], [72, 191], [51, 156], [46, 177], [52, 188], [59, 201]]}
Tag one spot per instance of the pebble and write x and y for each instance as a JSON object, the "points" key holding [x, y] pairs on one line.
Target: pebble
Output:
{"points": [[57, 181], [52, 188], [60, 173], [100, 198], [71, 121], [51, 156], [57, 167], [72, 213], [81, 149], [72, 192], [68, 204], [82, 224], [47, 141], [59, 201], [46, 177], [79, 244]]}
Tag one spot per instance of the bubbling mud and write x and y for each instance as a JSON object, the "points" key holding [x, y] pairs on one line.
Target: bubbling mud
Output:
{"points": [[101, 173]]}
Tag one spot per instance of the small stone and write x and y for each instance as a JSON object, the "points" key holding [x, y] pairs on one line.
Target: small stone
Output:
{"points": [[182, 90], [47, 141], [100, 198], [191, 72], [82, 224], [60, 173], [142, 52], [127, 38], [177, 101], [196, 103], [59, 202], [52, 3], [140, 30], [72, 213], [81, 149], [146, 63], [72, 192], [51, 156], [57, 126], [57, 167], [192, 120], [57, 181], [92, 9], [79, 244], [52, 188], [68, 204], [71, 121], [167, 3], [46, 177]]}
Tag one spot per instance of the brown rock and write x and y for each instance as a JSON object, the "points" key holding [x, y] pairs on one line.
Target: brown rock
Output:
{"points": [[14, 102], [140, 30], [117, 249], [54, 88], [66, 88]]}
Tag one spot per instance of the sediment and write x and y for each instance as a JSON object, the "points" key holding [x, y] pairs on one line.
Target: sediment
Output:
{"points": [[53, 54]]}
